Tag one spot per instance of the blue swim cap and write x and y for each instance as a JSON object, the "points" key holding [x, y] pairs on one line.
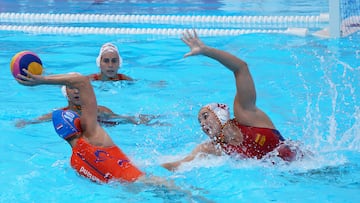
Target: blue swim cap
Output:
{"points": [[66, 123]]}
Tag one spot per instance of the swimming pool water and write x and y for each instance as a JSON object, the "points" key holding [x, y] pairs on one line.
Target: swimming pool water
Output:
{"points": [[184, 7], [309, 87]]}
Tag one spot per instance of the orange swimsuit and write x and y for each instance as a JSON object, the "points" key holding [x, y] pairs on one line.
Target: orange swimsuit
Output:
{"points": [[102, 164], [257, 141]]}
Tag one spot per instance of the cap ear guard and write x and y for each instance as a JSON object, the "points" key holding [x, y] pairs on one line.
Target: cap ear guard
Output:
{"points": [[66, 123], [220, 110]]}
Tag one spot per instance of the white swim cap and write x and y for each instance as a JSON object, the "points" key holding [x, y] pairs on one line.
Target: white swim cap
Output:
{"points": [[63, 88], [63, 91], [220, 110], [108, 47]]}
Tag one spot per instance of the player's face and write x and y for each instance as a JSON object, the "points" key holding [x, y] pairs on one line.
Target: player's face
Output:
{"points": [[209, 122], [110, 64]]}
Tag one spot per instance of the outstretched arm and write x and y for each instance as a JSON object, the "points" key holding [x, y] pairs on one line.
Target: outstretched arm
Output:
{"points": [[87, 96], [22, 122], [206, 148], [106, 114]]}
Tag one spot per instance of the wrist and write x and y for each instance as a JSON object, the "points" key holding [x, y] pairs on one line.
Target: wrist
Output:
{"points": [[206, 50]]}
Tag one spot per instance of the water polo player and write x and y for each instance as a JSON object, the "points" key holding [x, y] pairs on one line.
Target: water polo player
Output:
{"points": [[99, 163], [95, 155], [109, 61], [251, 133]]}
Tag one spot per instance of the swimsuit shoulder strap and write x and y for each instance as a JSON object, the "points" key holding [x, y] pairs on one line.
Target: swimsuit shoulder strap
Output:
{"points": [[122, 76], [95, 76]]}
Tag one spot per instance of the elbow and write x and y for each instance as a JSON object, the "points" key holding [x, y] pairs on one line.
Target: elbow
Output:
{"points": [[79, 76], [77, 79], [241, 68], [83, 79], [76, 75], [244, 66]]}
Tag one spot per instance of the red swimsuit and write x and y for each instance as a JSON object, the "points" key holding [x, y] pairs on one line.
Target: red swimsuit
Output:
{"points": [[97, 76], [102, 164], [257, 142]]}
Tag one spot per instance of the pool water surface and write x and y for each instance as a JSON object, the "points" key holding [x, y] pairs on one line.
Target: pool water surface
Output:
{"points": [[309, 86]]}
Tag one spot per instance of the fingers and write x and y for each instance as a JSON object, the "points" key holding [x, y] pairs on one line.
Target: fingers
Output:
{"points": [[24, 80], [195, 34], [168, 166], [27, 80], [28, 74], [21, 78], [188, 36], [20, 124], [186, 40], [187, 54]]}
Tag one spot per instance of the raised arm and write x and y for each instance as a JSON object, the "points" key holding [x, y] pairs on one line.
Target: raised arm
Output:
{"points": [[246, 95], [245, 109], [87, 96]]}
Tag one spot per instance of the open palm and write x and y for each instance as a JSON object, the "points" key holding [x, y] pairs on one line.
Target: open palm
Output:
{"points": [[195, 44]]}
